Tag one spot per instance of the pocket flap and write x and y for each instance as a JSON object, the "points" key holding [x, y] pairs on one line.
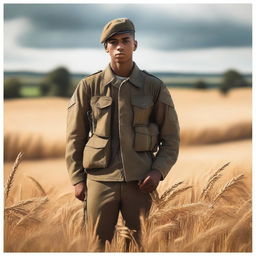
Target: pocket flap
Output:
{"points": [[142, 130], [97, 142], [142, 101], [101, 101], [151, 129]]}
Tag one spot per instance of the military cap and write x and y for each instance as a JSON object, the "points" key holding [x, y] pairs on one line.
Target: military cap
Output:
{"points": [[117, 26]]}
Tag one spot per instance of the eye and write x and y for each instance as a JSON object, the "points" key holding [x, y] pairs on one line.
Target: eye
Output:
{"points": [[126, 40], [112, 42]]}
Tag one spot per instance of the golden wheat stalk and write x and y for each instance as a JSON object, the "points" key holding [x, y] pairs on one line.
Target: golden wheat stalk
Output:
{"points": [[155, 196], [126, 233], [207, 237], [241, 231], [174, 194], [166, 214], [212, 180], [20, 204], [16, 210], [229, 185], [11, 176], [244, 207], [40, 201], [38, 185], [167, 227], [29, 216], [168, 191]]}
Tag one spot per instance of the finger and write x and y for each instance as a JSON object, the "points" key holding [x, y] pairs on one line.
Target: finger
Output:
{"points": [[146, 184], [147, 180], [147, 187], [148, 190]]}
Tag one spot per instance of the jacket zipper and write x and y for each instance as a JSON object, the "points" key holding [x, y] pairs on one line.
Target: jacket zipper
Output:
{"points": [[119, 128]]}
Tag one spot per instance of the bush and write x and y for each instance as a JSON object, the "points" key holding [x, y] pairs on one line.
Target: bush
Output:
{"points": [[12, 88], [232, 79], [200, 85], [45, 88]]}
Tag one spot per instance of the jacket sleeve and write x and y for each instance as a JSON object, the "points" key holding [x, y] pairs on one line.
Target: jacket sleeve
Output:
{"points": [[77, 131], [167, 120]]}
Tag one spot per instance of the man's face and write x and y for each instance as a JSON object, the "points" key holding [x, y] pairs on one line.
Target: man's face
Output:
{"points": [[120, 47]]}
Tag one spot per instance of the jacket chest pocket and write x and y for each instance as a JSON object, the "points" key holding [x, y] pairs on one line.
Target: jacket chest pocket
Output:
{"points": [[145, 132], [142, 108], [101, 115]]}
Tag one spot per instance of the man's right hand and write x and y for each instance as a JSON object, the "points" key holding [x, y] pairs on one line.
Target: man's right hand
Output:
{"points": [[80, 189]]}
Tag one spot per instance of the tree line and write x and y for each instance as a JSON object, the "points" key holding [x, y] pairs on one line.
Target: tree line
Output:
{"points": [[58, 82], [231, 79]]}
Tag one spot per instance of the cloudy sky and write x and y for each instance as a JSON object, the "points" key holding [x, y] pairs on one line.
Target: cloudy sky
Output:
{"points": [[171, 37]]}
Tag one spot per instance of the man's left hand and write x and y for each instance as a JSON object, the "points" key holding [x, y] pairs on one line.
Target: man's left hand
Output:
{"points": [[151, 182]]}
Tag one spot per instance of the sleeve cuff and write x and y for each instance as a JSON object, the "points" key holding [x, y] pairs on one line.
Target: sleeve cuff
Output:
{"points": [[77, 179]]}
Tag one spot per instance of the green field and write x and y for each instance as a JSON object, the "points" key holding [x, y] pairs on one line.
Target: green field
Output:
{"points": [[30, 91]]}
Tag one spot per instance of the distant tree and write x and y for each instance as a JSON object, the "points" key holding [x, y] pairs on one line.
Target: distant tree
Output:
{"points": [[200, 84], [60, 82], [232, 79], [12, 88], [45, 87]]}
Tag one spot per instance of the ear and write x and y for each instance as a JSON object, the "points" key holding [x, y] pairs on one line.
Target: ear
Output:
{"points": [[106, 47], [135, 45]]}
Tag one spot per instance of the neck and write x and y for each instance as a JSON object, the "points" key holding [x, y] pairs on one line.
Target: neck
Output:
{"points": [[122, 69]]}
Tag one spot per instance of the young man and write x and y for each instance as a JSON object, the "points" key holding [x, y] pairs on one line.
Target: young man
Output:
{"points": [[122, 135]]}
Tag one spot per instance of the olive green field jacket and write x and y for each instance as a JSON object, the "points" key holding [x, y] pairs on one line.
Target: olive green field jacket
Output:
{"points": [[147, 124]]}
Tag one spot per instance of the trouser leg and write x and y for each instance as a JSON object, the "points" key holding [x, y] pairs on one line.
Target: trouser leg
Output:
{"points": [[103, 201], [133, 204]]}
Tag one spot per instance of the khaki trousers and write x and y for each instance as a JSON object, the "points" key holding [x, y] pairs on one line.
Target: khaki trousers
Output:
{"points": [[106, 199]]}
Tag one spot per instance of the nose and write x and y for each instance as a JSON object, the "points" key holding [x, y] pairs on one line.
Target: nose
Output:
{"points": [[120, 46]]}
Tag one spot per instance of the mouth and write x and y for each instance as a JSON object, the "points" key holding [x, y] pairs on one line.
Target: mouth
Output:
{"points": [[120, 54]]}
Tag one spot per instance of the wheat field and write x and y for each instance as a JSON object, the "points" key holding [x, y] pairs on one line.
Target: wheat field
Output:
{"points": [[215, 219], [203, 205]]}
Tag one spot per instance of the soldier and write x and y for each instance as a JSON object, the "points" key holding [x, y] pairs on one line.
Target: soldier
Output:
{"points": [[122, 135]]}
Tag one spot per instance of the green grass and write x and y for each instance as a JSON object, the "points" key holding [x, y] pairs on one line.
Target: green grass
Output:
{"points": [[30, 91]]}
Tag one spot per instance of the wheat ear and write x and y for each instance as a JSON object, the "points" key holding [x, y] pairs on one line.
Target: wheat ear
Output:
{"points": [[212, 180], [20, 204], [168, 191], [38, 185], [155, 196], [125, 232], [11, 176], [231, 184], [173, 195]]}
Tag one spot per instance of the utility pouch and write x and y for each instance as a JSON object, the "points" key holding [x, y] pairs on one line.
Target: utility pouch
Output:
{"points": [[96, 153], [146, 137]]}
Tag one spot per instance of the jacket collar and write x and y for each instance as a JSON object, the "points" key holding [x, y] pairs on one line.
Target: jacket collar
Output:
{"points": [[136, 77]]}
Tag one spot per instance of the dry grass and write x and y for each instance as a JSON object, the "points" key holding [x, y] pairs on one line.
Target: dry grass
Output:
{"points": [[33, 146], [214, 223], [205, 135]]}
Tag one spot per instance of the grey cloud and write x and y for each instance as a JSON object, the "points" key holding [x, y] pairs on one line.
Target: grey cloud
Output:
{"points": [[80, 25]]}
